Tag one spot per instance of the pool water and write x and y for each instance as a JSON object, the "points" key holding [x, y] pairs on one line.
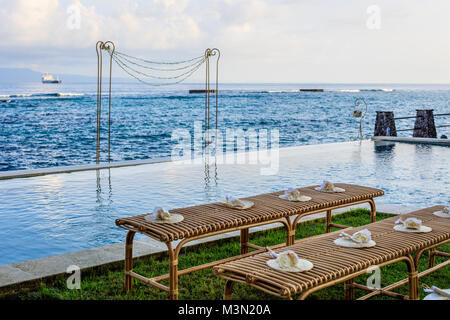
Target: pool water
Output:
{"points": [[58, 213]]}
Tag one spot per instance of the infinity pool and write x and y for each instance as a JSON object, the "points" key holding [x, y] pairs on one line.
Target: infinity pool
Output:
{"points": [[58, 213]]}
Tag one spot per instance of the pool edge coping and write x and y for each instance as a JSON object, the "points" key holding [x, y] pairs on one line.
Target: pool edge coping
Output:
{"points": [[414, 140], [28, 173]]}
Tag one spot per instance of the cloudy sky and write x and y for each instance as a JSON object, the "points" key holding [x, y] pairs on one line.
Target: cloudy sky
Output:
{"points": [[348, 41]]}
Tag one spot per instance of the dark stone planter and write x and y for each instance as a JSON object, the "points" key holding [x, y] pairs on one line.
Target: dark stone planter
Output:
{"points": [[385, 124], [424, 126]]}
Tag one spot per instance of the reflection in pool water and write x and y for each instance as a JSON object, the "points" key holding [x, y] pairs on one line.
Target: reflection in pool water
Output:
{"points": [[58, 213]]}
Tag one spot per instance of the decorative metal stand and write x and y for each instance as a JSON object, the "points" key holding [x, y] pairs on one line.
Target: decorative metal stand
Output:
{"points": [[358, 113], [169, 72], [210, 53], [108, 45]]}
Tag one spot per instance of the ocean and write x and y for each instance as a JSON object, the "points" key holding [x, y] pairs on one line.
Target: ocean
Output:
{"points": [[45, 125]]}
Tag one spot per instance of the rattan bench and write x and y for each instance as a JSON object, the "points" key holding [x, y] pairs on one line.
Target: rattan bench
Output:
{"points": [[212, 219], [334, 264]]}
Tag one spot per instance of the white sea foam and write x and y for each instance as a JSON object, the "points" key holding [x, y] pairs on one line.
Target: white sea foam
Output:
{"points": [[282, 91], [43, 94], [385, 90], [68, 94], [20, 95], [365, 90]]}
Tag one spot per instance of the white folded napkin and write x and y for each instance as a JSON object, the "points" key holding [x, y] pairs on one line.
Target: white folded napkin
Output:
{"points": [[410, 223], [286, 259], [234, 202], [291, 191], [327, 186], [160, 214], [292, 194], [362, 236], [438, 291]]}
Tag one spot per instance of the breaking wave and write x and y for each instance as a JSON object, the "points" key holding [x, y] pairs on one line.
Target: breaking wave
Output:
{"points": [[53, 94]]}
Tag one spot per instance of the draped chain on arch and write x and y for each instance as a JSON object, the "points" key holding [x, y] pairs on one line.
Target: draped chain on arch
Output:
{"points": [[155, 73]]}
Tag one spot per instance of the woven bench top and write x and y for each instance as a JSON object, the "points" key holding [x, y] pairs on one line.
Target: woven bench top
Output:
{"points": [[332, 262], [203, 219]]}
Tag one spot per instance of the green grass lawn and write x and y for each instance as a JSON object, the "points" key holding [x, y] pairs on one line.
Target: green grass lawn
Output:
{"points": [[108, 283]]}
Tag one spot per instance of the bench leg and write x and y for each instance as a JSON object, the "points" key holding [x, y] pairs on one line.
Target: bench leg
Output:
{"points": [[227, 293], [128, 282], [244, 240], [413, 276], [349, 289], [373, 211], [173, 272], [431, 257], [291, 237], [328, 227], [413, 280]]}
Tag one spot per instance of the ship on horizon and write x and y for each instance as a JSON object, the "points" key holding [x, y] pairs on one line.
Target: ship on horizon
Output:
{"points": [[48, 78]]}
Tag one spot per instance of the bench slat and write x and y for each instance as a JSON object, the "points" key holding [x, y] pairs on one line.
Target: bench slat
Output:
{"points": [[332, 262], [203, 219]]}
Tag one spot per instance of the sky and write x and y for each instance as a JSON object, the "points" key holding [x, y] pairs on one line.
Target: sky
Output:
{"points": [[310, 41]]}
